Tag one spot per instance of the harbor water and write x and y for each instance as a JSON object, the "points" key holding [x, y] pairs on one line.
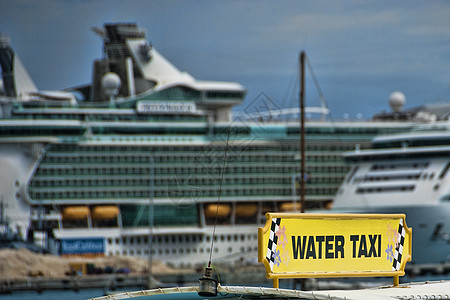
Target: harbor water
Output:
{"points": [[54, 295]]}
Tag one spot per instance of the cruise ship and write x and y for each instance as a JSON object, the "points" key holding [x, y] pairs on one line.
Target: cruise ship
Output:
{"points": [[132, 163], [405, 173]]}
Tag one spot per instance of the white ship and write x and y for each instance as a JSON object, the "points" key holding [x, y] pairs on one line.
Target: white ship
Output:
{"points": [[405, 173]]}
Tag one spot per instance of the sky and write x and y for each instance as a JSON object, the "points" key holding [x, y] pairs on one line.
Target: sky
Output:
{"points": [[360, 51]]}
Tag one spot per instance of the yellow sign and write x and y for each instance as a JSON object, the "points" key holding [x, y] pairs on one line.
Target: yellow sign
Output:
{"points": [[334, 245]]}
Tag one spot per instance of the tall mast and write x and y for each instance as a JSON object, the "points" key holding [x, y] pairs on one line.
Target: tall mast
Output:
{"points": [[302, 131]]}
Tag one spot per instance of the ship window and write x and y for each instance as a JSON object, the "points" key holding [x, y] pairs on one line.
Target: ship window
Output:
{"points": [[405, 188]]}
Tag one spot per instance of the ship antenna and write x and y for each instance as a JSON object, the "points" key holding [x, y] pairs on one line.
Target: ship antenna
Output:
{"points": [[208, 285]]}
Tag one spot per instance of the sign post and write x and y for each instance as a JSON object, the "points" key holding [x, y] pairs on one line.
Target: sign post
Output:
{"points": [[293, 245]]}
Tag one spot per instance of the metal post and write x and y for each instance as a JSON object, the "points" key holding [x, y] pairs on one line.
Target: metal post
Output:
{"points": [[302, 131], [276, 283], [294, 191], [396, 280]]}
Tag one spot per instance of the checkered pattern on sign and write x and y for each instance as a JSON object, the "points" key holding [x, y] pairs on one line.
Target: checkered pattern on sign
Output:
{"points": [[273, 240], [399, 249]]}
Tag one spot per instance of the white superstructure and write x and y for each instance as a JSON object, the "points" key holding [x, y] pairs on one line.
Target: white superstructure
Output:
{"points": [[405, 173]]}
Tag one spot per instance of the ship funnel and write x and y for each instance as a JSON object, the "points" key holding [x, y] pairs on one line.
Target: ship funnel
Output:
{"points": [[16, 81]]}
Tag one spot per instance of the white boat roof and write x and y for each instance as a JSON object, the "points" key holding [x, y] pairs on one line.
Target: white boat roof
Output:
{"points": [[422, 290]]}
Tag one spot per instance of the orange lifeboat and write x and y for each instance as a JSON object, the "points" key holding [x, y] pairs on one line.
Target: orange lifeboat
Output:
{"points": [[244, 210], [105, 212], [223, 210], [75, 212], [328, 205], [290, 207]]}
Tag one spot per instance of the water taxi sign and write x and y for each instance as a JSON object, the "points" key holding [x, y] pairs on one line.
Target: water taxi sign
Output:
{"points": [[334, 245]]}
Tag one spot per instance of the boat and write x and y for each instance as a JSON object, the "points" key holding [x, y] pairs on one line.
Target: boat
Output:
{"points": [[131, 163], [405, 173], [422, 290]]}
